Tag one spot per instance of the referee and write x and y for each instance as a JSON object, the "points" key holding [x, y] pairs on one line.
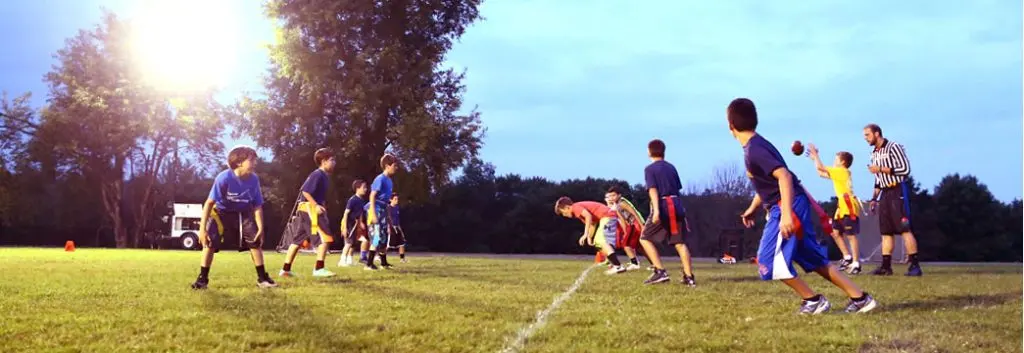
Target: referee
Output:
{"points": [[891, 199]]}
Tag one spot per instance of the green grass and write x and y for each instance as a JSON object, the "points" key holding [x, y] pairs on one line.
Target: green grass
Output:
{"points": [[127, 300]]}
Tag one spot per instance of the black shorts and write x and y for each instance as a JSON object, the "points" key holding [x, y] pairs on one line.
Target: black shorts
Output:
{"points": [[233, 230], [302, 229], [846, 225], [355, 230], [396, 237], [894, 210], [661, 232]]}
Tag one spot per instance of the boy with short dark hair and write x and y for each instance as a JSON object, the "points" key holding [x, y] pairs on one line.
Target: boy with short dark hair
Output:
{"points": [[312, 216], [846, 221], [600, 226], [630, 226], [233, 216], [789, 233], [376, 208], [667, 222], [396, 236], [353, 226]]}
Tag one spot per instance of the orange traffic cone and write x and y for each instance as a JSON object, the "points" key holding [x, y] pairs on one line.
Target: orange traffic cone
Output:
{"points": [[305, 244], [599, 258], [69, 246]]}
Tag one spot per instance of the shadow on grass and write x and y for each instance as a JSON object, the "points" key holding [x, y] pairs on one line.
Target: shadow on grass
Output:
{"points": [[993, 270], [896, 345], [502, 281], [270, 311], [955, 302], [454, 303]]}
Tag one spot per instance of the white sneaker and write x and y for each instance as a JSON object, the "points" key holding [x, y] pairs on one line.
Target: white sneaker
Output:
{"points": [[343, 262], [614, 270], [632, 267]]}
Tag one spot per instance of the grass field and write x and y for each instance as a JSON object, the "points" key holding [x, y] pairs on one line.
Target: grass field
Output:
{"points": [[131, 300]]}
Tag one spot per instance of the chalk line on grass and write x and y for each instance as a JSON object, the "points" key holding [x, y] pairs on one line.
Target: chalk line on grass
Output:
{"points": [[542, 316]]}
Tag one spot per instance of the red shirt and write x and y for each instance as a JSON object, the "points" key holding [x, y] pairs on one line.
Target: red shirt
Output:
{"points": [[597, 211]]}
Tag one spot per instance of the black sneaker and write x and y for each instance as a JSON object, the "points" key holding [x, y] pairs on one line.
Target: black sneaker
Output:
{"points": [[689, 281], [914, 271], [266, 282], [371, 267], [864, 305], [386, 266], [819, 306], [201, 283], [658, 276], [882, 271], [844, 264]]}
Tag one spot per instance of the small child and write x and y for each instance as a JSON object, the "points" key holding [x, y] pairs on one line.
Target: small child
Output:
{"points": [[596, 217], [376, 216], [786, 238], [353, 226], [846, 221], [631, 225], [233, 216], [312, 216], [667, 223], [396, 236]]}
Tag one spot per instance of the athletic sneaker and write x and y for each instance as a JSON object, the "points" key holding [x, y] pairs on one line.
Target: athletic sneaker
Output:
{"points": [[862, 306], [386, 266], [914, 271], [371, 267], [815, 307], [323, 272], [658, 276], [854, 268], [201, 283], [845, 264], [615, 270], [404, 260], [632, 267], [882, 271], [284, 273], [689, 281], [266, 283], [343, 263]]}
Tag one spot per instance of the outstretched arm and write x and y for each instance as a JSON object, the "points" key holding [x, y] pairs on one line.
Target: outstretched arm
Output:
{"points": [[813, 153]]}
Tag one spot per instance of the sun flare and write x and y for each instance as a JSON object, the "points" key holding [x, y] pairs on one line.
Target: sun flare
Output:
{"points": [[186, 45]]}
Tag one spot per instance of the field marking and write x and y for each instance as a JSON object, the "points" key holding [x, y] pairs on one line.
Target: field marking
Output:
{"points": [[542, 316]]}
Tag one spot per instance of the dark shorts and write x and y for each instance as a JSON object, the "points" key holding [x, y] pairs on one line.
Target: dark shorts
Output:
{"points": [[303, 229], [355, 231], [671, 227], [396, 237], [846, 225], [894, 210], [233, 230]]}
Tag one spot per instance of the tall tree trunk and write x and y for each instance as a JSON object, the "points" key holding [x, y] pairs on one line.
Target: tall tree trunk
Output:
{"points": [[111, 190], [145, 207]]}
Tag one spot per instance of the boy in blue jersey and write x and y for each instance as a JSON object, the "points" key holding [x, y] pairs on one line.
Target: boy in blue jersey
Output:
{"points": [[312, 216], [789, 233], [667, 223], [396, 236], [233, 216], [353, 226], [376, 208]]}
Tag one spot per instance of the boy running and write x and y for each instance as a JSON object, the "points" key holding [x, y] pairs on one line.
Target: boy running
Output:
{"points": [[789, 233], [667, 223], [233, 216], [376, 208], [631, 224], [396, 236], [312, 216], [597, 219], [353, 226], [846, 221]]}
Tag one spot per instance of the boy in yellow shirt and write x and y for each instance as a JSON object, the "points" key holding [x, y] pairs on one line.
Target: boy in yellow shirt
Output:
{"points": [[846, 221]]}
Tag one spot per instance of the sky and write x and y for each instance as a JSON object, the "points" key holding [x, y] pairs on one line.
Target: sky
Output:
{"points": [[574, 88]]}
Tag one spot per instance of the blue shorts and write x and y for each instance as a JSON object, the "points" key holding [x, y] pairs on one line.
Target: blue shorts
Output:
{"points": [[378, 230], [775, 255]]}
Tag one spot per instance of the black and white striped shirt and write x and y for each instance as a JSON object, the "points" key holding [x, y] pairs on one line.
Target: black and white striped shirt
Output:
{"points": [[890, 155]]}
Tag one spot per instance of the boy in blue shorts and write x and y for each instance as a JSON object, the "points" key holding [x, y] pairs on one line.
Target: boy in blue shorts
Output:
{"points": [[312, 216], [233, 216], [789, 233], [667, 223], [376, 208], [353, 226]]}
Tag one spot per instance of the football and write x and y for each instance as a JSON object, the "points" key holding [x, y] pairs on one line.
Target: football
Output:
{"points": [[798, 148]]}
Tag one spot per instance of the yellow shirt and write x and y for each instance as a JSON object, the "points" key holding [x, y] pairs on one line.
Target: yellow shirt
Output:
{"points": [[849, 205]]}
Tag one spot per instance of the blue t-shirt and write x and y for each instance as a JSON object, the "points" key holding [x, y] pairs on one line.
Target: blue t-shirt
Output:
{"points": [[393, 213], [355, 209], [663, 176], [316, 186], [761, 159], [382, 185], [233, 194]]}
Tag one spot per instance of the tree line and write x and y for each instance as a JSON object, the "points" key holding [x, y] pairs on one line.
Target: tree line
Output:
{"points": [[103, 159]]}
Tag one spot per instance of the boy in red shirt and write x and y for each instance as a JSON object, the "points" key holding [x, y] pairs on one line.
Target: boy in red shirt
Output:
{"points": [[600, 225]]}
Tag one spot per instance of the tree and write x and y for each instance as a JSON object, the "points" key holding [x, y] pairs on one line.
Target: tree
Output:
{"points": [[973, 220], [364, 78]]}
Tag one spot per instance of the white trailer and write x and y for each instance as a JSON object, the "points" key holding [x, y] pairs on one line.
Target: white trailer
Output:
{"points": [[184, 224]]}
